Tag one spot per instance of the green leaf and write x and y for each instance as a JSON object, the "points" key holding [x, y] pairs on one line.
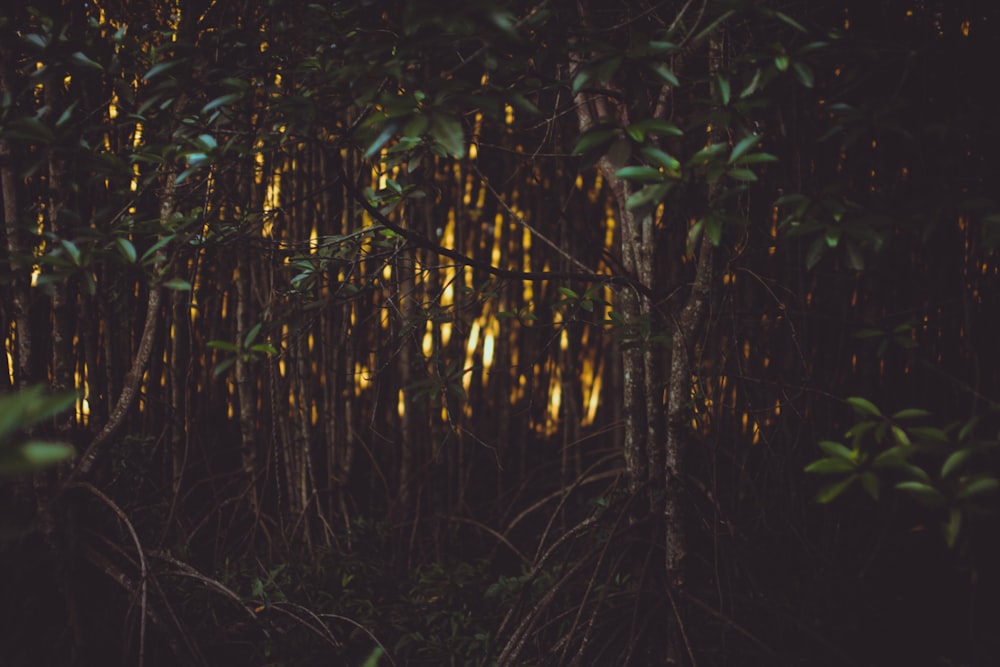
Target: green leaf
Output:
{"points": [[832, 236], [861, 428], [831, 491], [522, 103], [81, 59], [640, 174], [252, 335], [664, 72], [72, 250], [838, 450], [127, 249], [720, 19], [955, 461], [447, 131], [582, 79], [665, 160], [804, 74], [756, 158], [907, 413], [30, 128], [157, 246], [870, 481], [705, 154], [829, 466], [864, 407], [789, 20], [648, 195], [868, 333], [36, 40], [67, 114], [967, 429], [223, 345], [815, 253], [855, 260], [742, 146], [416, 126], [29, 406], [928, 434], [713, 229], [33, 455], [900, 436], [160, 68], [977, 486], [568, 293], [387, 133], [924, 493], [917, 473], [178, 284], [373, 658], [952, 526], [694, 234], [594, 140], [895, 457], [222, 101], [781, 62], [744, 175], [722, 85], [751, 87], [222, 367], [657, 126]]}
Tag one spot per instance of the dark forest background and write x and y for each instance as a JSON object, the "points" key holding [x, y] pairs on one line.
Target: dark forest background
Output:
{"points": [[499, 333]]}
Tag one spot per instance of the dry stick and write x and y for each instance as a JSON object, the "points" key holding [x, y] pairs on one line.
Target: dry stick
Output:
{"points": [[365, 630], [143, 566], [719, 616], [579, 481], [514, 646], [539, 563], [500, 538], [102, 563], [421, 241], [524, 223], [585, 640], [320, 628], [185, 570], [681, 626], [561, 492]]}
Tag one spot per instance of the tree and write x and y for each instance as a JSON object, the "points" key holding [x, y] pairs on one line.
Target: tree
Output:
{"points": [[422, 281]]}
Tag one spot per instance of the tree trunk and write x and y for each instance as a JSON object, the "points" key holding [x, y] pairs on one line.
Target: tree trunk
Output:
{"points": [[17, 253]]}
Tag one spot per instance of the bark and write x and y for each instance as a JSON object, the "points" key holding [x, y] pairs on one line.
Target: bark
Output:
{"points": [[245, 383], [20, 267], [686, 326], [634, 234], [62, 306]]}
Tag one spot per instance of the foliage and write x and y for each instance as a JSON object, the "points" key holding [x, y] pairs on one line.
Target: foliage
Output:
{"points": [[435, 264], [949, 470], [19, 412]]}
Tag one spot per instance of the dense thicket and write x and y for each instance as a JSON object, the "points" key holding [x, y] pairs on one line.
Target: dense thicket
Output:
{"points": [[500, 332]]}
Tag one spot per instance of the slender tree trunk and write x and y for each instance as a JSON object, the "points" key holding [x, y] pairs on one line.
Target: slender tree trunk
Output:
{"points": [[635, 233], [62, 306], [133, 379], [17, 255], [245, 383], [685, 329]]}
